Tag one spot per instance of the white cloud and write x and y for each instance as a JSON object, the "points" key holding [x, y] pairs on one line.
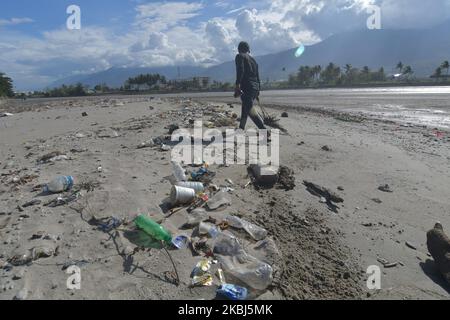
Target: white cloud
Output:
{"points": [[178, 33], [15, 21], [159, 16]]}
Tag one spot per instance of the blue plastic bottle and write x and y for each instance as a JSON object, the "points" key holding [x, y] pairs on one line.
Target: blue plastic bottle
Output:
{"points": [[232, 292], [60, 184]]}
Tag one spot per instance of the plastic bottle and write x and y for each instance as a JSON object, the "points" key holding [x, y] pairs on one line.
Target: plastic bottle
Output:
{"points": [[235, 261], [255, 231], [178, 172], [208, 228], [232, 292], [152, 228], [59, 184]]}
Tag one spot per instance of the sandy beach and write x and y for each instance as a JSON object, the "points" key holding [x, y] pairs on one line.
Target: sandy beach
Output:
{"points": [[322, 253]]}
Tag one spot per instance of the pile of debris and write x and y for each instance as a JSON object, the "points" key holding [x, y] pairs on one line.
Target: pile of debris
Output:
{"points": [[237, 256]]}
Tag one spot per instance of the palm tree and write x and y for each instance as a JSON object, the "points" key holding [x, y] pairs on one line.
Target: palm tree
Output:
{"points": [[445, 65], [348, 68], [438, 73], [400, 67], [408, 70]]}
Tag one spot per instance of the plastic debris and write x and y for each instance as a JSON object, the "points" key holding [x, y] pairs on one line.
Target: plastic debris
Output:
{"points": [[232, 292], [253, 230]]}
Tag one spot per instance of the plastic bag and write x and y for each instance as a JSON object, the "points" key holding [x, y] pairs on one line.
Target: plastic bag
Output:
{"points": [[218, 200], [196, 216], [242, 266], [253, 230]]}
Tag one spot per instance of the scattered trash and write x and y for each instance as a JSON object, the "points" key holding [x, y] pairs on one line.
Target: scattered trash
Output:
{"points": [[264, 175], [59, 184], [61, 201], [202, 266], [172, 128], [32, 203], [180, 242], [50, 157], [438, 245], [322, 192], [232, 292], [180, 195], [385, 188], [147, 144], [391, 265], [199, 173], [256, 232], [220, 199], [197, 186], [24, 179], [286, 178], [229, 181], [195, 217], [203, 280], [33, 255], [165, 147], [209, 229], [200, 246], [111, 224], [178, 172], [152, 228], [242, 266], [221, 276], [108, 133]]}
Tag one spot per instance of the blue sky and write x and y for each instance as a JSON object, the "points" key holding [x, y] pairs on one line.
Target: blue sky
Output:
{"points": [[36, 48]]}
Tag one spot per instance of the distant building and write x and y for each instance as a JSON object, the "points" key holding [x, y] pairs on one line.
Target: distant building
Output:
{"points": [[194, 83], [201, 82]]}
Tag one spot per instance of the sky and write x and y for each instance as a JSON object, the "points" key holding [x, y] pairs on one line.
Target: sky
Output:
{"points": [[37, 48]]}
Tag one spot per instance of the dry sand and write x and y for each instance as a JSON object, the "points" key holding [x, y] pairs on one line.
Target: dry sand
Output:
{"points": [[324, 254]]}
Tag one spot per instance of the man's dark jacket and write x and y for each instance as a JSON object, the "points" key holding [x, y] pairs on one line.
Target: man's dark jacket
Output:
{"points": [[247, 73]]}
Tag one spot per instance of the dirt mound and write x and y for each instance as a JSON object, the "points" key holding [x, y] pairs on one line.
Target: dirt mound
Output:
{"points": [[315, 264]]}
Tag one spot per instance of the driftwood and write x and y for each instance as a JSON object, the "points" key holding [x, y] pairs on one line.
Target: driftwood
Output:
{"points": [[322, 192]]}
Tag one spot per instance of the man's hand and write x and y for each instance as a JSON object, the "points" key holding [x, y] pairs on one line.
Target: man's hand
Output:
{"points": [[237, 91]]}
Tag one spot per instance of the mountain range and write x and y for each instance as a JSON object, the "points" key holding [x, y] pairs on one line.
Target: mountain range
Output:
{"points": [[423, 49]]}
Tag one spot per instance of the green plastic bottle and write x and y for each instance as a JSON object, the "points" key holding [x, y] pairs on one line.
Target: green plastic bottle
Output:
{"points": [[152, 228]]}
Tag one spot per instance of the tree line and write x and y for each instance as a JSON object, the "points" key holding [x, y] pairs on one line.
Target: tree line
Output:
{"points": [[150, 80], [438, 74], [334, 75]]}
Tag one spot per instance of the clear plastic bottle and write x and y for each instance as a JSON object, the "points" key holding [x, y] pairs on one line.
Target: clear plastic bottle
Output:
{"points": [[59, 184], [238, 263], [255, 231], [178, 172]]}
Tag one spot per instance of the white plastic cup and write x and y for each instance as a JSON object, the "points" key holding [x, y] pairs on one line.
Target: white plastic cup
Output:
{"points": [[180, 195], [197, 186]]}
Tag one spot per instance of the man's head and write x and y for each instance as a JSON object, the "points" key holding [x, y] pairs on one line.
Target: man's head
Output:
{"points": [[243, 47]]}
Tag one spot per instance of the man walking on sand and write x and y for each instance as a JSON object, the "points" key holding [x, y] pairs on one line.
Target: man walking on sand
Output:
{"points": [[248, 85]]}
